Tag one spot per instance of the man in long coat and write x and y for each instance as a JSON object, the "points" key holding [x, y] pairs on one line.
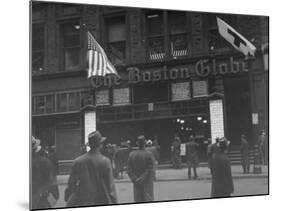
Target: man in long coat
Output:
{"points": [[176, 148], [91, 178], [42, 179], [192, 156], [244, 150], [222, 183], [141, 172]]}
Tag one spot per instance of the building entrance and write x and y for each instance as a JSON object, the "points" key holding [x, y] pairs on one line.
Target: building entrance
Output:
{"points": [[238, 109], [163, 129]]}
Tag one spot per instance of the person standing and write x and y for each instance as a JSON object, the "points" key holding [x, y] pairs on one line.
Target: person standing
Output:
{"points": [[222, 183], [141, 172], [212, 148], [42, 179], [263, 147], [244, 150], [192, 157], [176, 148], [91, 178]]}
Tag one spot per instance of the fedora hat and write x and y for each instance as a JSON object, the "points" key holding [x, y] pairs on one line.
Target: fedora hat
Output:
{"points": [[95, 138], [141, 138]]}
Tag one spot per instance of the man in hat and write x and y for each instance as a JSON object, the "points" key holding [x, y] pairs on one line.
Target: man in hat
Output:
{"points": [[141, 172], [263, 147], [192, 157], [176, 149], [91, 179], [42, 179], [244, 150], [222, 183]]}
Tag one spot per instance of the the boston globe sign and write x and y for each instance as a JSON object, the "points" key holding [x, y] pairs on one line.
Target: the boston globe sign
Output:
{"points": [[201, 69]]}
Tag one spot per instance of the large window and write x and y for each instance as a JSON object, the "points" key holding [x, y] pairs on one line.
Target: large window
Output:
{"points": [[178, 34], [38, 41], [151, 92], [116, 39], [155, 35], [166, 34], [215, 40], [71, 45]]}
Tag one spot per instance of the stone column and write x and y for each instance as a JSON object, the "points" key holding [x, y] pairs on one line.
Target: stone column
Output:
{"points": [[216, 118], [90, 121]]}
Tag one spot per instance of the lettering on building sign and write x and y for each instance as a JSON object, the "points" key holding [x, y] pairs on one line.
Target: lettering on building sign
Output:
{"points": [[202, 68], [206, 67]]}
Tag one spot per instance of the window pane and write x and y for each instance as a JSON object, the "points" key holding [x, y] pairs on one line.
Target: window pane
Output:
{"points": [[179, 45], [151, 92], [71, 40], [116, 29], [37, 37], [61, 102], [37, 48], [154, 21], [74, 101], [33, 104], [50, 103], [71, 44], [216, 41], [40, 104], [117, 52], [37, 61], [177, 22], [156, 48], [71, 57]]}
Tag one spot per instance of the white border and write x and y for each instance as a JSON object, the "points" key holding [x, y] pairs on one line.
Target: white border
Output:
{"points": [[15, 103]]}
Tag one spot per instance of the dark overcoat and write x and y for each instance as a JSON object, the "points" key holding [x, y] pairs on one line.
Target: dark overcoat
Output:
{"points": [[192, 155], [222, 183], [244, 150], [42, 179], [141, 172], [91, 181]]}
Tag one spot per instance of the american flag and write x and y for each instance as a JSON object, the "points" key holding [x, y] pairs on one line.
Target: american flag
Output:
{"points": [[98, 63]]}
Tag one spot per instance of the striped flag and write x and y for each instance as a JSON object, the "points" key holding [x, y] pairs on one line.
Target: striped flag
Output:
{"points": [[235, 39], [98, 63]]}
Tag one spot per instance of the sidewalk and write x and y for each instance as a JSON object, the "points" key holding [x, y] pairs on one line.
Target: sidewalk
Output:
{"points": [[181, 174]]}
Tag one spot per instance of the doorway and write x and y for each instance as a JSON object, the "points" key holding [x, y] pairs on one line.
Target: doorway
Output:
{"points": [[238, 108]]}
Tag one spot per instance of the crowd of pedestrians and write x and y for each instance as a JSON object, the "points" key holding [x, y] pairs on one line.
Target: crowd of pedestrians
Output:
{"points": [[91, 181]]}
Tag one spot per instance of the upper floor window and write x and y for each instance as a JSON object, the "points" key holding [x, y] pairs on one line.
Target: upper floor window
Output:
{"points": [[71, 45], [215, 40], [38, 45], [155, 34], [178, 34], [116, 39]]}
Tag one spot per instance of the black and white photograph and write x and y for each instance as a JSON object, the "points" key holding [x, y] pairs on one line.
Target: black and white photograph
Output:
{"points": [[141, 105]]}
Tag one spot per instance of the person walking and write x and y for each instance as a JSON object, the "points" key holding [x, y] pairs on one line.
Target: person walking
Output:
{"points": [[141, 172], [91, 178], [192, 157], [244, 150], [222, 183], [176, 152], [44, 189]]}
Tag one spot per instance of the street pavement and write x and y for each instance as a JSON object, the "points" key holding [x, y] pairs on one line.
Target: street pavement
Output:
{"points": [[181, 174], [173, 184]]}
